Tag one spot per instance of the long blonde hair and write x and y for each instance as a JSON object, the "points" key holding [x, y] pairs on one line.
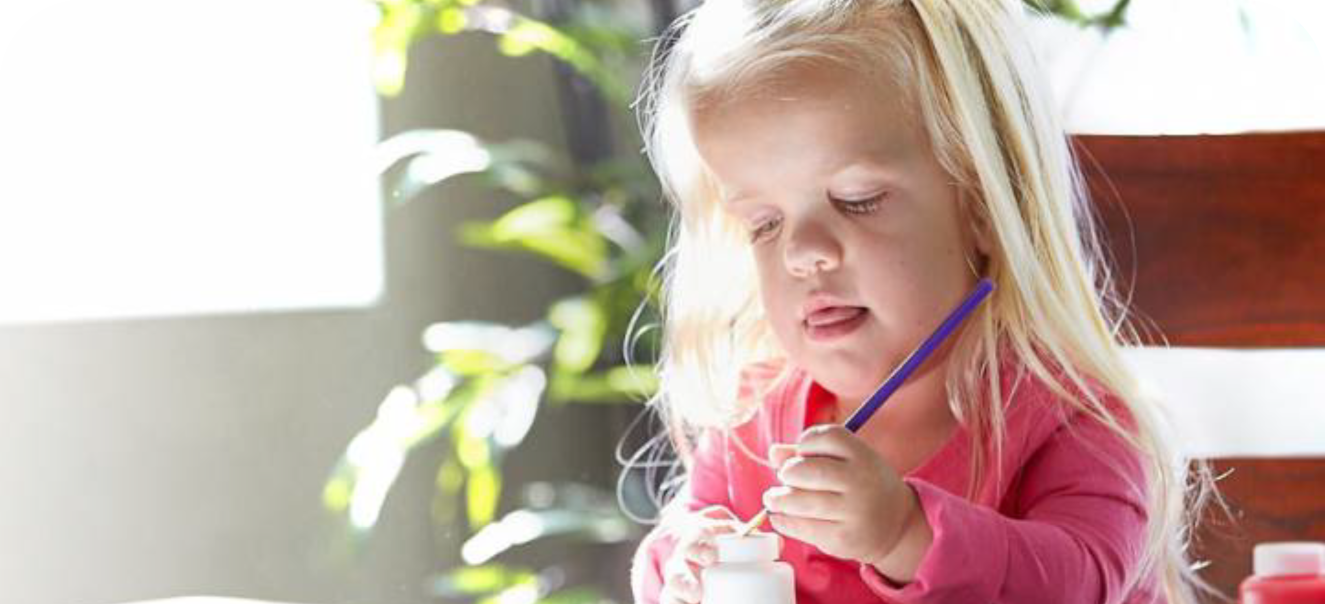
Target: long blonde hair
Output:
{"points": [[977, 90]]}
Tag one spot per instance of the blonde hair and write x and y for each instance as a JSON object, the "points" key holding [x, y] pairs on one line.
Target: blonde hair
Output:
{"points": [[988, 117]]}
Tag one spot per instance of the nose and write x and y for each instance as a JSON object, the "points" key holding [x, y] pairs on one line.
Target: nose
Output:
{"points": [[811, 248]]}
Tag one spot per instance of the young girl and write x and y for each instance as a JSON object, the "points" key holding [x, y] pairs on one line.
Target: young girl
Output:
{"points": [[844, 171]]}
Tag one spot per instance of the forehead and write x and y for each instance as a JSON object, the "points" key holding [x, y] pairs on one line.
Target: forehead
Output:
{"points": [[809, 120]]}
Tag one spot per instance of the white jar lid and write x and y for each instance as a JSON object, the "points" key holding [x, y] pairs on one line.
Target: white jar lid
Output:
{"points": [[756, 547], [1288, 558]]}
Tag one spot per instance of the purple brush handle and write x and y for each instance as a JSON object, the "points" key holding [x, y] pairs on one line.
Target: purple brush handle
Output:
{"points": [[917, 357]]}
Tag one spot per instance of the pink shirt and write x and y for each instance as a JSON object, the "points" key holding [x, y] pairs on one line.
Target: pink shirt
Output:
{"points": [[1064, 524]]}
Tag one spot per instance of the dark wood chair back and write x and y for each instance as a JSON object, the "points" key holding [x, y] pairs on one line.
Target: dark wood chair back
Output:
{"points": [[1226, 238]]}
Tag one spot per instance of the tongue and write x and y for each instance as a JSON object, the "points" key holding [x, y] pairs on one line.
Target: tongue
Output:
{"points": [[832, 315]]}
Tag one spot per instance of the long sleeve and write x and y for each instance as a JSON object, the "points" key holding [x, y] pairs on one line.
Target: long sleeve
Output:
{"points": [[1076, 535], [706, 486]]}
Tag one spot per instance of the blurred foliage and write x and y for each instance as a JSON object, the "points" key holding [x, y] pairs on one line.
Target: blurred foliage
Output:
{"points": [[1069, 10], [601, 222]]}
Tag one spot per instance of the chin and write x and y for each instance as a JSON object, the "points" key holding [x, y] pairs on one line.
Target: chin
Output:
{"points": [[859, 379]]}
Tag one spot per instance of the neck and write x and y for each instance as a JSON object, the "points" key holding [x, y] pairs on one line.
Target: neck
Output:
{"points": [[921, 402]]}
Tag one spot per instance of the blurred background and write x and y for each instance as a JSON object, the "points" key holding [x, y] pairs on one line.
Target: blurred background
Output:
{"points": [[326, 300]]}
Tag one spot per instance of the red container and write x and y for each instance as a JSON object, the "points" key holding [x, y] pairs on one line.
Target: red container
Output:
{"points": [[1286, 573]]}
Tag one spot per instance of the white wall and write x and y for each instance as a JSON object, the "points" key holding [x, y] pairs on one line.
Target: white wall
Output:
{"points": [[157, 457]]}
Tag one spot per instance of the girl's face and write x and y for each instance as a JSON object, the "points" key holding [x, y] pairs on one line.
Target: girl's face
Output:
{"points": [[859, 238]]}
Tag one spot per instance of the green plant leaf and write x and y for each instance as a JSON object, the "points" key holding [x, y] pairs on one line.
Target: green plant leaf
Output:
{"points": [[578, 595], [1069, 10], [483, 481], [397, 27], [524, 167], [549, 214], [433, 416], [482, 491], [471, 362], [448, 482], [600, 525], [472, 581], [527, 591], [430, 156], [507, 346], [374, 456], [621, 384], [533, 35], [336, 494], [552, 227], [516, 406], [583, 323], [451, 21]]}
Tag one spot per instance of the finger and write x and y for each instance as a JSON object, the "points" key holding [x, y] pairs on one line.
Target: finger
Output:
{"points": [[717, 512], [670, 595], [712, 528], [818, 505], [707, 522], [682, 581], [817, 473], [829, 440], [715, 520], [702, 553], [808, 530], [778, 454]]}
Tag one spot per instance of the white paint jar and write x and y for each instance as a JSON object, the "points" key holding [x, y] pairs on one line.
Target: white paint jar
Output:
{"points": [[748, 572]]}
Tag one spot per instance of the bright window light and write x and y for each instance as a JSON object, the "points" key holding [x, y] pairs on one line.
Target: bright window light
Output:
{"points": [[1190, 67], [1239, 403], [168, 157]]}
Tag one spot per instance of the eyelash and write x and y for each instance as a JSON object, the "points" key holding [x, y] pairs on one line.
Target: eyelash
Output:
{"points": [[857, 207]]}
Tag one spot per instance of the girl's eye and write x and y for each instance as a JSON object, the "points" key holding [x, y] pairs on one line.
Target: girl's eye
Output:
{"points": [[764, 228], [853, 207], [858, 206]]}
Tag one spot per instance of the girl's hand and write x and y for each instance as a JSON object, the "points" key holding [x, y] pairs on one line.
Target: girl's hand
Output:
{"points": [[840, 496], [693, 552]]}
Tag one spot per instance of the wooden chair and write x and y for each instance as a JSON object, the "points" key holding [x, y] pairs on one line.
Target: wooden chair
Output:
{"points": [[1226, 235]]}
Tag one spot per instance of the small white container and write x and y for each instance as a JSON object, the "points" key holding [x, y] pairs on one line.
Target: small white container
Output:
{"points": [[748, 572]]}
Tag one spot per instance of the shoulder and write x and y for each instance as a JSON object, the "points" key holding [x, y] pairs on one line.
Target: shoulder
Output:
{"points": [[1055, 426], [1062, 436], [1045, 407]]}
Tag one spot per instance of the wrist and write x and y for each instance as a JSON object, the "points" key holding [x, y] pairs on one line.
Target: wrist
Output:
{"points": [[900, 563]]}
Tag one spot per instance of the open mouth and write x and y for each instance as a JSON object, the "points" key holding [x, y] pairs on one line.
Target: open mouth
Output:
{"points": [[835, 322]]}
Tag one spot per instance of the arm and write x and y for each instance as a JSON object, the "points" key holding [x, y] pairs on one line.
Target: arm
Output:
{"points": [[706, 486], [1079, 539]]}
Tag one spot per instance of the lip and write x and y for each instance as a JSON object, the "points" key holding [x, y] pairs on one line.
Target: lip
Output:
{"points": [[821, 301], [833, 331]]}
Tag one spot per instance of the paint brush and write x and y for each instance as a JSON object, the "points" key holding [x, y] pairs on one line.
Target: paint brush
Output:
{"points": [[899, 375]]}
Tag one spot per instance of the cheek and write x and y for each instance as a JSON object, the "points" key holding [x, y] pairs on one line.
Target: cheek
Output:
{"points": [[777, 295]]}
